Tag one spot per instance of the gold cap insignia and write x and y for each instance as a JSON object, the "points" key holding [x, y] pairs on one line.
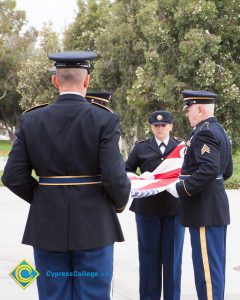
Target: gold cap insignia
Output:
{"points": [[159, 117], [205, 149]]}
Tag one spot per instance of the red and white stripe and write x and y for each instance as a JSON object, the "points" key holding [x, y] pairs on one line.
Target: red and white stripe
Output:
{"points": [[164, 175]]}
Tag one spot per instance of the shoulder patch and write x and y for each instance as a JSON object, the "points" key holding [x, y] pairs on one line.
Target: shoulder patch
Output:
{"points": [[35, 107], [103, 106], [178, 139], [141, 141]]}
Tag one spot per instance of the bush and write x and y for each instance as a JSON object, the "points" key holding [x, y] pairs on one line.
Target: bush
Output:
{"points": [[233, 183]]}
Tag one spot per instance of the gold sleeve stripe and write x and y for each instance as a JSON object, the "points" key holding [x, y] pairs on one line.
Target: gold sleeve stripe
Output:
{"points": [[206, 267], [186, 189], [119, 209]]}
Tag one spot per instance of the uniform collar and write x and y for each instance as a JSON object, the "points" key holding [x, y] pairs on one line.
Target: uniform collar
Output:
{"points": [[153, 145], [165, 141], [73, 97], [73, 93], [209, 120]]}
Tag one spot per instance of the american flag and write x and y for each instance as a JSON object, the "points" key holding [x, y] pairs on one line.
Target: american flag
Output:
{"points": [[164, 175]]}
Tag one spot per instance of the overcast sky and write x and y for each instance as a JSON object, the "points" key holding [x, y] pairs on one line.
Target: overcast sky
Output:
{"points": [[59, 12]]}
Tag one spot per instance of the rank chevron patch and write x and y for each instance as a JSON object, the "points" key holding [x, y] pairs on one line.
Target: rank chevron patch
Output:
{"points": [[205, 149]]}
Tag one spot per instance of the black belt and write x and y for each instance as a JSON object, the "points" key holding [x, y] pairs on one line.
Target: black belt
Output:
{"points": [[183, 177], [69, 180]]}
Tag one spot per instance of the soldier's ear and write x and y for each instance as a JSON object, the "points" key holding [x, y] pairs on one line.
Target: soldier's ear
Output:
{"points": [[201, 110], [86, 81], [55, 82]]}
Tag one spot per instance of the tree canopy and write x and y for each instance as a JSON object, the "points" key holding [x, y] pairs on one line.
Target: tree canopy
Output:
{"points": [[148, 51], [35, 72], [151, 50], [15, 46]]}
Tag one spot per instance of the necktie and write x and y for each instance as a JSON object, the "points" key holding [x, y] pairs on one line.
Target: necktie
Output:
{"points": [[162, 147]]}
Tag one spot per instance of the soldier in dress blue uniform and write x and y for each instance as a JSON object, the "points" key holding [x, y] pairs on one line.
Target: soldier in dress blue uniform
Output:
{"points": [[205, 209], [73, 147], [160, 234]]}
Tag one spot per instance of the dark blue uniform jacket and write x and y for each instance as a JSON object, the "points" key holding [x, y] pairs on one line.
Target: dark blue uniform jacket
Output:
{"points": [[70, 137], [207, 163]]}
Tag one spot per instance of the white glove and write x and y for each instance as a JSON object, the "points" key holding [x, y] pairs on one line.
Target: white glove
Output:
{"points": [[130, 174], [147, 175], [173, 190]]}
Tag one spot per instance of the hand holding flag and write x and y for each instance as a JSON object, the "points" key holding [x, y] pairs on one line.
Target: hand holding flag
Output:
{"points": [[165, 175]]}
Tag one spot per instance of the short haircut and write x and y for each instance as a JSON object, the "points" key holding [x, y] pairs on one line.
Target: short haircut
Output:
{"points": [[209, 108], [70, 76]]}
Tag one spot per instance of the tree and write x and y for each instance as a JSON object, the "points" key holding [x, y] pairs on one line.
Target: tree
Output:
{"points": [[90, 21], [187, 48], [148, 51], [14, 47], [35, 73]]}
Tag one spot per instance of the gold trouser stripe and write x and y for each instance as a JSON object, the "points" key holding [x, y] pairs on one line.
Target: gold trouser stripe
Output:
{"points": [[206, 267]]}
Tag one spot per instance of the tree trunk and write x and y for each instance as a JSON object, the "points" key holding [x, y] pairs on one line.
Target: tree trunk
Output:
{"points": [[10, 130], [12, 136]]}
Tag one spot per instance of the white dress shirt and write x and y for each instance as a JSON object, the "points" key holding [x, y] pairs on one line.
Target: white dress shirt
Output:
{"points": [[69, 92], [165, 141]]}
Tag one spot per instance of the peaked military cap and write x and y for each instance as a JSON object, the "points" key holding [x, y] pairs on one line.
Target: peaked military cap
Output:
{"points": [[160, 117], [198, 97], [99, 97], [73, 59]]}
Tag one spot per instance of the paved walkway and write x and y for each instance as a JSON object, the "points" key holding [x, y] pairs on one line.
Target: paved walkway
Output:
{"points": [[13, 214], [3, 161]]}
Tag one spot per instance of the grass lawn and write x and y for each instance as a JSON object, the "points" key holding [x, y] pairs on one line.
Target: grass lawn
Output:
{"points": [[236, 164], [234, 181], [5, 147]]}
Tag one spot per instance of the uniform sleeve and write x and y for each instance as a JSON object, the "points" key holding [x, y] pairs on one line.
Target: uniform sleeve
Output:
{"points": [[112, 166], [206, 152], [132, 162], [17, 172]]}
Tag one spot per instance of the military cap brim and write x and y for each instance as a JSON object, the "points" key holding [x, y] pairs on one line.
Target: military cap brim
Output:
{"points": [[160, 123], [73, 59], [160, 117], [198, 97]]}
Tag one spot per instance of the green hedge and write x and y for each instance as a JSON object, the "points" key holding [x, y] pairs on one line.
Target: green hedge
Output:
{"points": [[5, 147], [233, 183], [1, 184]]}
